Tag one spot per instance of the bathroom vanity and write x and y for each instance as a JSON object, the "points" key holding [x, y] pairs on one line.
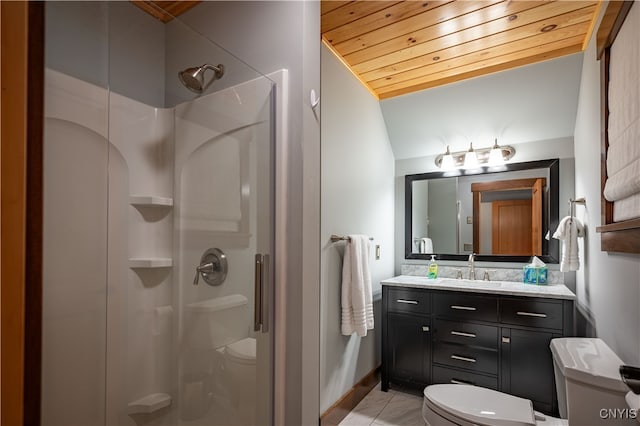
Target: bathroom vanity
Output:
{"points": [[493, 334]]}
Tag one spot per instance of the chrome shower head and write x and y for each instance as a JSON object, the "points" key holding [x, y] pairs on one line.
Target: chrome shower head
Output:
{"points": [[193, 78]]}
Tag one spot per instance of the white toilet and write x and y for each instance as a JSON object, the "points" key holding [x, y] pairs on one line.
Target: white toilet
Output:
{"points": [[240, 373], [218, 329], [587, 381]]}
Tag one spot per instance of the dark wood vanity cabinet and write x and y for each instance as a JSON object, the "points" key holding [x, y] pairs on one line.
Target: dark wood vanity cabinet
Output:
{"points": [[495, 341], [527, 367], [409, 336], [410, 349]]}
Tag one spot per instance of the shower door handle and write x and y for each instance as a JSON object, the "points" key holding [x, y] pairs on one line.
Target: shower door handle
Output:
{"points": [[261, 293], [257, 293], [265, 297]]}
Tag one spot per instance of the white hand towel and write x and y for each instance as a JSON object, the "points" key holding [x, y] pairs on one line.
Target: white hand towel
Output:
{"points": [[569, 229], [426, 245], [357, 298]]}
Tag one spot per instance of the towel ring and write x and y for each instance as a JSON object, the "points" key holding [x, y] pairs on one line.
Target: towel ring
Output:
{"points": [[572, 205]]}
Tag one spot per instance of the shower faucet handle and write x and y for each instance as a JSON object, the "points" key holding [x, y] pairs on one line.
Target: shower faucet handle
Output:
{"points": [[213, 267], [204, 268]]}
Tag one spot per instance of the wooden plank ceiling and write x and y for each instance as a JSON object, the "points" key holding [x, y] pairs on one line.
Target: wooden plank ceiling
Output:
{"points": [[165, 10], [395, 48]]}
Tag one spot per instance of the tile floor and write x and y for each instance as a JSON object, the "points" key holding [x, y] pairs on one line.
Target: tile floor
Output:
{"points": [[386, 408], [395, 408]]}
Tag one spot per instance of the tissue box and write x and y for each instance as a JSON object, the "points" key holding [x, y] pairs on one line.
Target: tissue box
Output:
{"points": [[535, 275]]}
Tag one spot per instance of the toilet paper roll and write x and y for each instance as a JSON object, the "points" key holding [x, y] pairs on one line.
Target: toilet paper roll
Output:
{"points": [[162, 320]]}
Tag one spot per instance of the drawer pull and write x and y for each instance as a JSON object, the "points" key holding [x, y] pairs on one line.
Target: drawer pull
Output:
{"points": [[461, 382], [463, 308], [409, 302], [425, 328], [463, 334], [462, 358], [531, 314]]}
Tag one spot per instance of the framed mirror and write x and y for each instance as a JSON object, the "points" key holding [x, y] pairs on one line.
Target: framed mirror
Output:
{"points": [[503, 213]]}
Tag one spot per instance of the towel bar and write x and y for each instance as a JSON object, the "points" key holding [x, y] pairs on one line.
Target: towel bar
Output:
{"points": [[336, 238]]}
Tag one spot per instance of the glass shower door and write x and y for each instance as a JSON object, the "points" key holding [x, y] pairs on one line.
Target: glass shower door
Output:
{"points": [[224, 241], [223, 221]]}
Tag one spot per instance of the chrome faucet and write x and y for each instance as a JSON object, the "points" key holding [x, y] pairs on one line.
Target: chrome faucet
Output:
{"points": [[472, 266]]}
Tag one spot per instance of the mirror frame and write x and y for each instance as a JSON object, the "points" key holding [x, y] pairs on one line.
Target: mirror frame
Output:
{"points": [[553, 245]]}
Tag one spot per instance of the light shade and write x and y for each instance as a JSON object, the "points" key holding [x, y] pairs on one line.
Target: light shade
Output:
{"points": [[447, 160], [470, 158], [495, 155]]}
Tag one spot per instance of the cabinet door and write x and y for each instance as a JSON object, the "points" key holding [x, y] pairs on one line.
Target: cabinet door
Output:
{"points": [[409, 355], [527, 367]]}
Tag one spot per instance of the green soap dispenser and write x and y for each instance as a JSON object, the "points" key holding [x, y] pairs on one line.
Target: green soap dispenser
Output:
{"points": [[433, 268]]}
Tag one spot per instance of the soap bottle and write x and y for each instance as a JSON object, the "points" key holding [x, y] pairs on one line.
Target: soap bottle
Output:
{"points": [[433, 268]]}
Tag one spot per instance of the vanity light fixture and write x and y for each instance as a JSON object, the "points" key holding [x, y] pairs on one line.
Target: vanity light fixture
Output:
{"points": [[494, 156]]}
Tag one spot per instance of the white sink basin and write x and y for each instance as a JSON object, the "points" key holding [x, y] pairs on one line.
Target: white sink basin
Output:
{"points": [[470, 283]]}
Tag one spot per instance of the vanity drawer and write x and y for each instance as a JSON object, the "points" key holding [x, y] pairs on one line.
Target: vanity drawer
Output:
{"points": [[531, 313], [409, 300], [451, 375], [483, 360], [467, 333], [466, 306]]}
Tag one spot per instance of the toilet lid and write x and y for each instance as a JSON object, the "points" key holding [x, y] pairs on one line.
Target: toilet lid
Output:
{"points": [[481, 406], [242, 350]]}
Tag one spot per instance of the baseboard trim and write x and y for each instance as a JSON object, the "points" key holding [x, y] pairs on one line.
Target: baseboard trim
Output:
{"points": [[338, 411]]}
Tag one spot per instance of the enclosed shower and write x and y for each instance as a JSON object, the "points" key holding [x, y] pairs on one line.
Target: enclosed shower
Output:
{"points": [[158, 224]]}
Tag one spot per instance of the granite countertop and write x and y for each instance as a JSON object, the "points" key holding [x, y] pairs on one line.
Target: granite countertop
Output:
{"points": [[552, 291]]}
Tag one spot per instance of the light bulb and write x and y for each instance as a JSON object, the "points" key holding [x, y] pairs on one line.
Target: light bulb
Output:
{"points": [[447, 160], [470, 158], [495, 155]]}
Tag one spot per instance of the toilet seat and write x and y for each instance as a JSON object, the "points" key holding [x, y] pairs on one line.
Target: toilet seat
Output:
{"points": [[242, 352], [466, 404]]}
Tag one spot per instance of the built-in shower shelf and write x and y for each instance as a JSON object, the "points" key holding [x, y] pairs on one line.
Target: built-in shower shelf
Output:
{"points": [[151, 262], [149, 403], [150, 200]]}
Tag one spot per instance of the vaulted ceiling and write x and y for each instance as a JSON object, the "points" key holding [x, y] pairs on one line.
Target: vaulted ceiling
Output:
{"points": [[400, 47], [395, 48]]}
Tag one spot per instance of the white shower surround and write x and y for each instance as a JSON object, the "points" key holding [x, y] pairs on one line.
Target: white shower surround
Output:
{"points": [[127, 317]]}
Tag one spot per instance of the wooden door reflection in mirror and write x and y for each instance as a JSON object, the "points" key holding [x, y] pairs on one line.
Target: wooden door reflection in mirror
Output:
{"points": [[508, 216]]}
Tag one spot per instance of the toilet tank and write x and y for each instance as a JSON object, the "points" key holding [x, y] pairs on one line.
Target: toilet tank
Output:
{"points": [[633, 401], [587, 379], [216, 322]]}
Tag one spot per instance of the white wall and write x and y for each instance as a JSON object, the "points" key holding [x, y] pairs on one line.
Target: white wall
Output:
{"points": [[608, 284], [357, 198], [311, 213], [114, 45], [442, 215], [529, 103]]}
